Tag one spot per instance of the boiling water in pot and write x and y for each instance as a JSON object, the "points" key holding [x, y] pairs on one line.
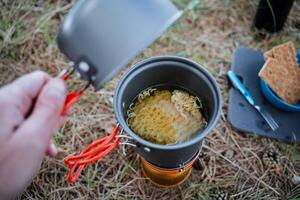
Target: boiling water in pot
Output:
{"points": [[166, 116]]}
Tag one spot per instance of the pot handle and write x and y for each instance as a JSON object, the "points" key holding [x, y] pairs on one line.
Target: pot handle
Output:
{"points": [[72, 97], [92, 153]]}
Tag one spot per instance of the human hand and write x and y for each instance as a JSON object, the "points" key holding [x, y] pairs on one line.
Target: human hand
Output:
{"points": [[30, 114]]}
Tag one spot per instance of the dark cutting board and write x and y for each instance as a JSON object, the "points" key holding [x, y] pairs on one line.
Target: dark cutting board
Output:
{"points": [[246, 63]]}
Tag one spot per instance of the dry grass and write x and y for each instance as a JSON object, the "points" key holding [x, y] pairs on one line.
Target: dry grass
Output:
{"points": [[208, 34]]}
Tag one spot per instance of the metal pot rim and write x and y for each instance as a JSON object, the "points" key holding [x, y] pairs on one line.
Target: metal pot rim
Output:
{"points": [[200, 135]]}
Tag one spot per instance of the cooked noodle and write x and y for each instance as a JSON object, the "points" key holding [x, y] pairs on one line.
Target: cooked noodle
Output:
{"points": [[165, 117]]}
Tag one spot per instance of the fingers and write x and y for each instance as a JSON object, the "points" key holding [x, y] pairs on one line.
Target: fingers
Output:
{"points": [[52, 150], [16, 100], [24, 151], [22, 91], [10, 119], [46, 116]]}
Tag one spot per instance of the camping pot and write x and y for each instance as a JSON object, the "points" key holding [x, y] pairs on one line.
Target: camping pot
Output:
{"points": [[165, 165], [171, 72]]}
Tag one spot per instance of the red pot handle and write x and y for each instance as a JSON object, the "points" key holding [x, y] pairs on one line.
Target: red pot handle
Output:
{"points": [[72, 97], [92, 153]]}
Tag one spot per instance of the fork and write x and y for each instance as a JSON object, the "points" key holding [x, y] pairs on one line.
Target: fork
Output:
{"points": [[263, 112]]}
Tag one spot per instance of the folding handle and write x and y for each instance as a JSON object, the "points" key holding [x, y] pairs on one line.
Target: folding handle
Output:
{"points": [[95, 151], [72, 97], [92, 153]]}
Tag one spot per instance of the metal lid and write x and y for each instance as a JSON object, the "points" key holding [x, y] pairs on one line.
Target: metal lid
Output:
{"points": [[107, 35]]}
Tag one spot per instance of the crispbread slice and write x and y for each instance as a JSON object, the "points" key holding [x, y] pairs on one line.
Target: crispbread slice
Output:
{"points": [[283, 80], [285, 54]]}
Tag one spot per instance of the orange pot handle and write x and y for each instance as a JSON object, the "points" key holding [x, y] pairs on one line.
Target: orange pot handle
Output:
{"points": [[72, 97], [92, 153]]}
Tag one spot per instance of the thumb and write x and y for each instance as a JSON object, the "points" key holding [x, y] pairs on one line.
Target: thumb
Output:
{"points": [[43, 122]]}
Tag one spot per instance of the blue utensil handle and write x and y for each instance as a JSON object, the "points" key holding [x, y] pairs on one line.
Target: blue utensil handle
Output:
{"points": [[240, 86]]}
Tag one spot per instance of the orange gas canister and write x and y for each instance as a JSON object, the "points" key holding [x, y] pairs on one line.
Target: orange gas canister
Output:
{"points": [[163, 177]]}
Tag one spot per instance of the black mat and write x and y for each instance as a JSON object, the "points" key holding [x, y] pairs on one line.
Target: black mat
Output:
{"points": [[246, 63]]}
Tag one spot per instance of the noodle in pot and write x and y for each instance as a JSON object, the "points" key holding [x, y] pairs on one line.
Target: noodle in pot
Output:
{"points": [[165, 116]]}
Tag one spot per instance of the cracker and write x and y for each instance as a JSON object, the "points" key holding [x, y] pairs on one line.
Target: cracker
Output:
{"points": [[282, 73], [284, 53], [284, 80]]}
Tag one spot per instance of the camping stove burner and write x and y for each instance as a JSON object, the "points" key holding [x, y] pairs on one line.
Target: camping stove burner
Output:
{"points": [[164, 177]]}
